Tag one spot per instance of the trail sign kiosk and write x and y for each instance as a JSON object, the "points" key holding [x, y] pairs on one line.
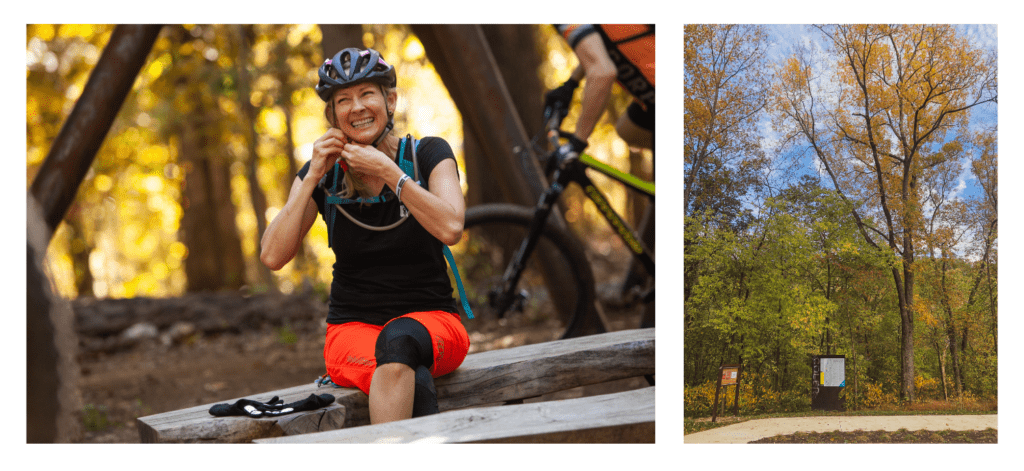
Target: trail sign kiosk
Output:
{"points": [[828, 378], [728, 375]]}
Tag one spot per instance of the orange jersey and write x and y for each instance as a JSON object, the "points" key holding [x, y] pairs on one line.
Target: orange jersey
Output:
{"points": [[630, 47]]}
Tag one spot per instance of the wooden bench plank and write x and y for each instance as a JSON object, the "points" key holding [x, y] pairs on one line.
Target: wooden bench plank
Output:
{"points": [[196, 425], [626, 417], [483, 378], [543, 368]]}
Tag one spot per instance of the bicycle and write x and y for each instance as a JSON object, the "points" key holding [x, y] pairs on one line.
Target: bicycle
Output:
{"points": [[520, 269]]}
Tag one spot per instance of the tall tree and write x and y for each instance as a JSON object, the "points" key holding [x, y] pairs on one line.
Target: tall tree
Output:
{"points": [[244, 36], [724, 92], [986, 223], [215, 260], [876, 119]]}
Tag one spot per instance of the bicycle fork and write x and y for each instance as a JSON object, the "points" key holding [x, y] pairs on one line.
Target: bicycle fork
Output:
{"points": [[504, 297]]}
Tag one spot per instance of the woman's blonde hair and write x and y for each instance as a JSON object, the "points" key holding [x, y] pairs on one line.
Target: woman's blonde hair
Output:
{"points": [[351, 185]]}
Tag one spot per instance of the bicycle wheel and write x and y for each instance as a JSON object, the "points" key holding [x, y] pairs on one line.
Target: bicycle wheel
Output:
{"points": [[554, 296]]}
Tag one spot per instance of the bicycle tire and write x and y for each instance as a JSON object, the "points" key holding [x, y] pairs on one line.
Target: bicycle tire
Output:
{"points": [[551, 309]]}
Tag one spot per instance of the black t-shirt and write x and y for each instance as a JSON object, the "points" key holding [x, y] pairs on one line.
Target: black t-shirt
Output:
{"points": [[380, 275]]}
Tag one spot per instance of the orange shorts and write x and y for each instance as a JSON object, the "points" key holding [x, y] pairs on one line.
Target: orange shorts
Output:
{"points": [[349, 350]]}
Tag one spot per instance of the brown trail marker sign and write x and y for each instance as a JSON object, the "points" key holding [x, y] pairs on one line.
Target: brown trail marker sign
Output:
{"points": [[728, 375]]}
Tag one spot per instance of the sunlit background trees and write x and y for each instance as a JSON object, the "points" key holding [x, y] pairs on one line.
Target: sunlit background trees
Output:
{"points": [[207, 144]]}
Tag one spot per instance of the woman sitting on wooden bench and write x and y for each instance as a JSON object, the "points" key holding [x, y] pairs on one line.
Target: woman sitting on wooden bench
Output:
{"points": [[393, 324]]}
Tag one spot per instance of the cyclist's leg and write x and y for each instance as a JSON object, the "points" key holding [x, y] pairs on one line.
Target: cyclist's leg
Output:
{"points": [[636, 126]]}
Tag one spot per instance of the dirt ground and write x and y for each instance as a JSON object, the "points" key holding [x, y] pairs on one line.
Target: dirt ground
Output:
{"points": [[186, 364]]}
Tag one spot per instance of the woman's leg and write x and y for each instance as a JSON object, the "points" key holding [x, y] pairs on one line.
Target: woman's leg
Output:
{"points": [[402, 386], [392, 392]]}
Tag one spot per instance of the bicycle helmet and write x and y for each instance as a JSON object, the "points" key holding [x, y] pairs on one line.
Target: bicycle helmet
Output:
{"points": [[351, 66]]}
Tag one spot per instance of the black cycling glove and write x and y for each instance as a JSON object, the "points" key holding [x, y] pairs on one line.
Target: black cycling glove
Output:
{"points": [[558, 100], [571, 149], [274, 407]]}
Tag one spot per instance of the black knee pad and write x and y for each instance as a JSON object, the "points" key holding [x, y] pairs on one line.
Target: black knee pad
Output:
{"points": [[424, 401], [405, 341]]}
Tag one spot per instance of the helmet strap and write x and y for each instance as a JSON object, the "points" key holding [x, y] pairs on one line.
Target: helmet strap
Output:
{"points": [[391, 122]]}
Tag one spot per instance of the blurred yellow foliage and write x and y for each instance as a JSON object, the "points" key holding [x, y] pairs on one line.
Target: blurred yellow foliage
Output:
{"points": [[128, 212]]}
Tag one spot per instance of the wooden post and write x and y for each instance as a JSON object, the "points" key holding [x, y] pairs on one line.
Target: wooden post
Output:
{"points": [[83, 132], [728, 375], [736, 400], [714, 408]]}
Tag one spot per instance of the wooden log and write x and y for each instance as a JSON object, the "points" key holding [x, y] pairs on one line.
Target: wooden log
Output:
{"points": [[483, 378], [626, 417]]}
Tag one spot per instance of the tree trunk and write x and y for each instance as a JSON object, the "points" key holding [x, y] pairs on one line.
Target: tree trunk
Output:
{"points": [[950, 326], [941, 353], [472, 77], [52, 374], [907, 345], [302, 266], [80, 250], [208, 229], [83, 132], [516, 54], [338, 37], [243, 35], [53, 402], [910, 200]]}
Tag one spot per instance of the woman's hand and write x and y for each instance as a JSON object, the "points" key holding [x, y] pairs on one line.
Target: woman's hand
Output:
{"points": [[326, 151], [367, 161]]}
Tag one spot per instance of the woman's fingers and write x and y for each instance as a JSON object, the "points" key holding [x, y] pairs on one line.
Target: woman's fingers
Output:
{"points": [[363, 159]]}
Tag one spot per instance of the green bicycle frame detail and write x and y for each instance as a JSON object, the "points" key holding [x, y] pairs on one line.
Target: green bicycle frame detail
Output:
{"points": [[613, 218], [626, 178], [575, 171]]}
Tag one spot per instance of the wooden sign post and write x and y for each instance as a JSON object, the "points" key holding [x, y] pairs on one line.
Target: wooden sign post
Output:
{"points": [[728, 375]]}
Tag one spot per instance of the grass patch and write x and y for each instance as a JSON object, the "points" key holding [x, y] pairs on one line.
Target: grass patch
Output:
{"points": [[287, 336], [95, 418]]}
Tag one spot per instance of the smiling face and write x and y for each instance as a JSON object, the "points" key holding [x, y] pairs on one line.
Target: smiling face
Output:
{"points": [[361, 111]]}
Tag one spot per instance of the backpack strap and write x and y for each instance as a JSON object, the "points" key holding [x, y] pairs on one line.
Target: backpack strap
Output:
{"points": [[410, 167], [458, 280]]}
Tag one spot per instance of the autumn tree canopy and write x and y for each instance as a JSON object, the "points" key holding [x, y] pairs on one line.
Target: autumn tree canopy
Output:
{"points": [[877, 253]]}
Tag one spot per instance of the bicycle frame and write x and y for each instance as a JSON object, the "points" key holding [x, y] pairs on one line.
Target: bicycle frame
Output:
{"points": [[574, 171]]}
